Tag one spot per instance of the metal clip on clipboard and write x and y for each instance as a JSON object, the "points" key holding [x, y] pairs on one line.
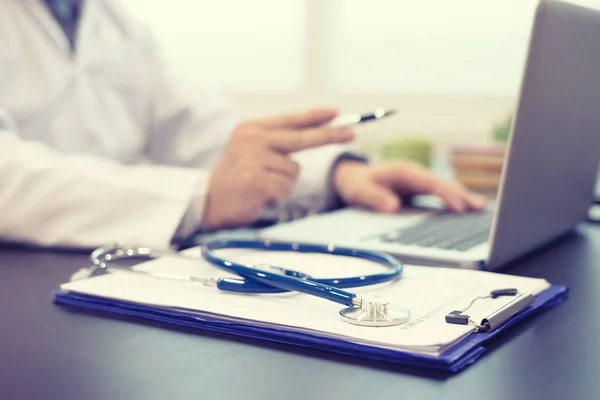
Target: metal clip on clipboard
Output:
{"points": [[498, 317]]}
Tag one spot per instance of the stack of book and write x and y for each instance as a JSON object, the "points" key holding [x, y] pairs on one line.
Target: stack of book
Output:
{"points": [[479, 167]]}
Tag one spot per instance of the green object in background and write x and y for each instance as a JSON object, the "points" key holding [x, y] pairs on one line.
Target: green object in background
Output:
{"points": [[501, 131], [407, 148]]}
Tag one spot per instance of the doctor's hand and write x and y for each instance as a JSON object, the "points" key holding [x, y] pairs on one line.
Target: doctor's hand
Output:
{"points": [[256, 168], [379, 187]]}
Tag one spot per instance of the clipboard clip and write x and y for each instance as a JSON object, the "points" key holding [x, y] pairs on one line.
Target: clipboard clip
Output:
{"points": [[498, 317]]}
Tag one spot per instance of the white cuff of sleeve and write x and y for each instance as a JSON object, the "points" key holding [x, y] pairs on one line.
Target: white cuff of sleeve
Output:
{"points": [[191, 222]]}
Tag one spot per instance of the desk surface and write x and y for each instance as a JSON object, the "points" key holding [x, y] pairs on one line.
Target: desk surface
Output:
{"points": [[51, 352]]}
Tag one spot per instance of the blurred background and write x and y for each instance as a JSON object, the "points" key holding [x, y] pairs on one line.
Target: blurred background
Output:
{"points": [[451, 68]]}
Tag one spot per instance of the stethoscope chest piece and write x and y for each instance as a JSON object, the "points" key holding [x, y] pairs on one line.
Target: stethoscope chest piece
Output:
{"points": [[374, 314]]}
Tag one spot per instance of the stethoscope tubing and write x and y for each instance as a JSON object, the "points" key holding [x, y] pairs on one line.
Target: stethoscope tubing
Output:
{"points": [[274, 282], [260, 279]]}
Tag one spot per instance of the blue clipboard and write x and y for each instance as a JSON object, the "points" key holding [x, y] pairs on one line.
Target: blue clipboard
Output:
{"points": [[453, 360]]}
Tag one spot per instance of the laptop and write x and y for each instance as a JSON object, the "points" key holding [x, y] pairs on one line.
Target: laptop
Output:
{"points": [[548, 177]]}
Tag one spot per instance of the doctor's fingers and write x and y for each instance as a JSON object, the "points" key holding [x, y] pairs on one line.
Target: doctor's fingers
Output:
{"points": [[376, 197], [455, 193], [421, 180], [272, 187], [455, 196], [280, 163], [305, 119], [290, 140]]}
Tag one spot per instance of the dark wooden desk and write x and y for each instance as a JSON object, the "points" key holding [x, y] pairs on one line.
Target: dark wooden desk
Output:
{"points": [[50, 352]]}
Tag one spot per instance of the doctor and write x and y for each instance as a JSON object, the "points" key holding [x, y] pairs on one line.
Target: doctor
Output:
{"points": [[100, 143]]}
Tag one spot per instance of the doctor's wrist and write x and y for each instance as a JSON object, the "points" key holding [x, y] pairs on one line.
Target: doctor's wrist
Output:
{"points": [[343, 172]]}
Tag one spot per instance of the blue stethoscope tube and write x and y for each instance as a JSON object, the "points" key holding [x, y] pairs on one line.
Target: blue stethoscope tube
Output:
{"points": [[263, 281]]}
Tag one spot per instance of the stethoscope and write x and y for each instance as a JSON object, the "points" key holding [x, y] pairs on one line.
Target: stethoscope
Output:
{"points": [[272, 279]]}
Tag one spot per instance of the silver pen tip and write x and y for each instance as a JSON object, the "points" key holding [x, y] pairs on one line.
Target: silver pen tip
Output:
{"points": [[382, 112]]}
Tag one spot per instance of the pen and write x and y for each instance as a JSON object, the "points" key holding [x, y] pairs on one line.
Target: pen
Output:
{"points": [[352, 119]]}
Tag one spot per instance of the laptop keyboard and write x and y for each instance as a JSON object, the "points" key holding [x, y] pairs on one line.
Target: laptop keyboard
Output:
{"points": [[445, 231]]}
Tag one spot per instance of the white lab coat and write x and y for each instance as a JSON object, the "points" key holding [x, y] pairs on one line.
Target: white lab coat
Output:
{"points": [[104, 145]]}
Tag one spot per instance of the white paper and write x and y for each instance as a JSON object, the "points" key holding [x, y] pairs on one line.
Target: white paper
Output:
{"points": [[429, 293]]}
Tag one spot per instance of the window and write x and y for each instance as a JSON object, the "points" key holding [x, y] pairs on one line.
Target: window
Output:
{"points": [[239, 45], [428, 47], [452, 67]]}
